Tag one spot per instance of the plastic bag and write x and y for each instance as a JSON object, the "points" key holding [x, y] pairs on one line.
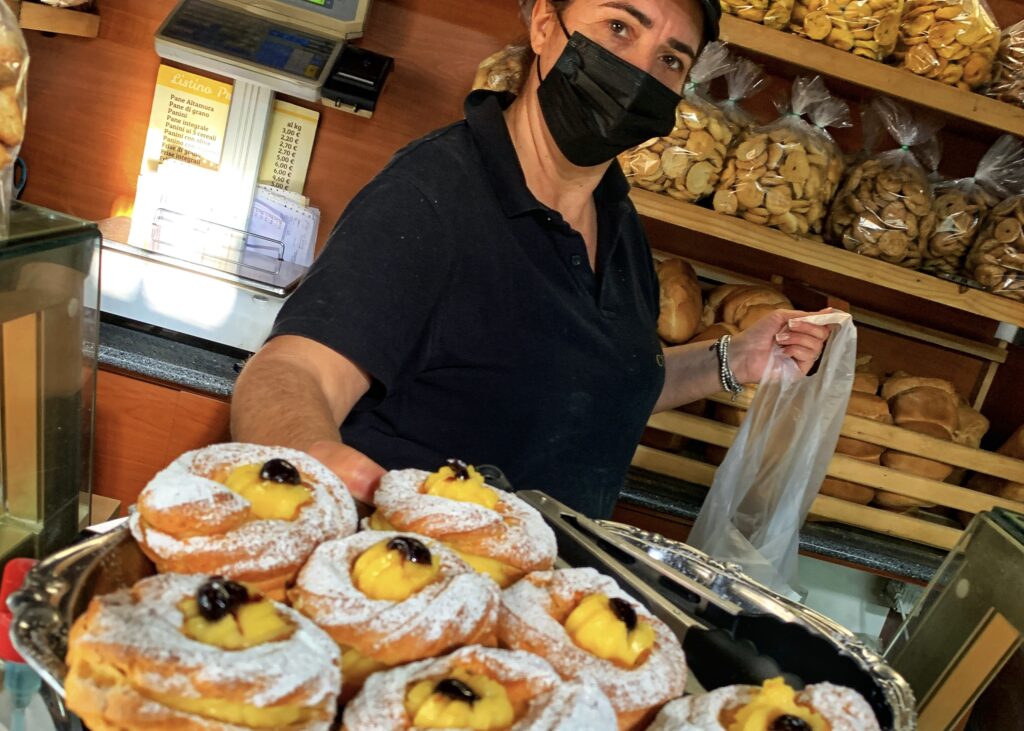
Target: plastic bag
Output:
{"points": [[867, 28], [1008, 69], [688, 163], [885, 208], [952, 41], [743, 81], [13, 106], [997, 260], [783, 174], [960, 205], [771, 474], [502, 70], [772, 13]]}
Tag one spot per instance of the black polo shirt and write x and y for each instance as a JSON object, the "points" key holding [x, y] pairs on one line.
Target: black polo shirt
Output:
{"points": [[474, 309]]}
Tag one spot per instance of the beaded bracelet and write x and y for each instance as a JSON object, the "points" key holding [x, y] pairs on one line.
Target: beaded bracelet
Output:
{"points": [[725, 374]]}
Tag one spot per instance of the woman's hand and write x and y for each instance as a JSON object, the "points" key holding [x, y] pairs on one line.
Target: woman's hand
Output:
{"points": [[360, 474], [750, 351]]}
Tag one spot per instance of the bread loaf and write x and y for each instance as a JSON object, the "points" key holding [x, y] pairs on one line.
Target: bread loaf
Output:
{"points": [[971, 427], [755, 314], [714, 302], [714, 332], [915, 465], [679, 316], [926, 410], [899, 503], [845, 490], [901, 381], [734, 307], [865, 382], [867, 406]]}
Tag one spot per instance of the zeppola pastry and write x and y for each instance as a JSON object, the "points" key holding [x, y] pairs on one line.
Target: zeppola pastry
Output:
{"points": [[493, 531], [193, 652], [587, 627], [249, 512], [391, 598], [478, 688], [773, 707]]}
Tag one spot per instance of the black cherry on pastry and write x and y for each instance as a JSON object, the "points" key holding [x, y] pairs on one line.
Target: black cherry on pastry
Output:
{"points": [[789, 723], [281, 471], [395, 569], [218, 597], [463, 699], [460, 469], [610, 629]]}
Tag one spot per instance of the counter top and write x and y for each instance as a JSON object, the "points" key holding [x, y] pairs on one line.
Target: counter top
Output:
{"points": [[199, 368]]}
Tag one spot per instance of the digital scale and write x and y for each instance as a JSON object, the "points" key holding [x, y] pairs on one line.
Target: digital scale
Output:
{"points": [[293, 47]]}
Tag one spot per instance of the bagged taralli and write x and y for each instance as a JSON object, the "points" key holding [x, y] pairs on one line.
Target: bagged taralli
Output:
{"points": [[502, 70], [743, 81], [784, 174], [952, 41], [688, 163], [867, 28], [1008, 70], [772, 13], [997, 260], [13, 105], [885, 208], [960, 205]]}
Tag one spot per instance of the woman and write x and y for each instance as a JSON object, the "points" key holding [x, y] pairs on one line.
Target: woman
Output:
{"points": [[491, 295]]}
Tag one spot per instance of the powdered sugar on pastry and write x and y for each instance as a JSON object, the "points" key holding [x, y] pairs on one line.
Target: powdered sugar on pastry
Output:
{"points": [[556, 705], [187, 522], [513, 532], [459, 607], [531, 618], [138, 632], [843, 708]]}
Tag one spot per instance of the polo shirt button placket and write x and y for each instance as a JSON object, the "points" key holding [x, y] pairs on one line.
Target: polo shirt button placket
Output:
{"points": [[576, 260]]}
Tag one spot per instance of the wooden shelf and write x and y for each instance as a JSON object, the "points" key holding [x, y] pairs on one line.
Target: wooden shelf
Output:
{"points": [[828, 258], [824, 59]]}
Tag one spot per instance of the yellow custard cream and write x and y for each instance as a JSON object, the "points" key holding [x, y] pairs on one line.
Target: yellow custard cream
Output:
{"points": [[461, 700], [769, 709], [271, 499], [395, 569], [610, 629], [459, 481]]}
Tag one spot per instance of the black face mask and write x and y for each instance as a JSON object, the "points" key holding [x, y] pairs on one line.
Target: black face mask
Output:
{"points": [[597, 105]]}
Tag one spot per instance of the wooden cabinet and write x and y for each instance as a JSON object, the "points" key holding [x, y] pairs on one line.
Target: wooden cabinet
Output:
{"points": [[142, 426]]}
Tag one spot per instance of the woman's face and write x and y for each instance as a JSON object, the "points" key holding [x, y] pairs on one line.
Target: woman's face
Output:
{"points": [[659, 36]]}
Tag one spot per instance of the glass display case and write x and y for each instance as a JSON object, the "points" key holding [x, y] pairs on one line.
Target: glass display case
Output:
{"points": [[49, 327]]}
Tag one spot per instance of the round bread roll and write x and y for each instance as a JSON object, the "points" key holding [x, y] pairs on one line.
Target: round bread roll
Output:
{"points": [[680, 301], [901, 381], [845, 490], [735, 306], [714, 332], [714, 302], [755, 314], [865, 382], [926, 410]]}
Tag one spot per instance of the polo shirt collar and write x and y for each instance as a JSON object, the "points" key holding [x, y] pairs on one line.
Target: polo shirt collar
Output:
{"points": [[484, 115]]}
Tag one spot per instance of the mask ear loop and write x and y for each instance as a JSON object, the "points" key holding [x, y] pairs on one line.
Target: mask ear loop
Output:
{"points": [[558, 14]]}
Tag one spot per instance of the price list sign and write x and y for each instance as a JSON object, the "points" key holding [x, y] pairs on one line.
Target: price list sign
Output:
{"points": [[289, 146]]}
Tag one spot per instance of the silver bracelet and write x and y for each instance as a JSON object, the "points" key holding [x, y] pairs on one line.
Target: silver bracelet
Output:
{"points": [[725, 374]]}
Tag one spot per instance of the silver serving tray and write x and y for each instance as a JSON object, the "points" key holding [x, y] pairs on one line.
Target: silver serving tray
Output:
{"points": [[727, 581], [58, 589]]}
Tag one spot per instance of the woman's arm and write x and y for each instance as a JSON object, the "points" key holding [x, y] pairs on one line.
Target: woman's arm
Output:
{"points": [[692, 370]]}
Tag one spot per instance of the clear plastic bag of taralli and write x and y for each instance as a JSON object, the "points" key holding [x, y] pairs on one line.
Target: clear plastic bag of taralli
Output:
{"points": [[1008, 70], [867, 28], [687, 164], [743, 81], [952, 41], [502, 70], [772, 13], [13, 105], [784, 174], [771, 474], [961, 205], [996, 261], [885, 208]]}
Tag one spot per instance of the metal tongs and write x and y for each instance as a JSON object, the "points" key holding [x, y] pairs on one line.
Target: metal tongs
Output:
{"points": [[725, 643]]}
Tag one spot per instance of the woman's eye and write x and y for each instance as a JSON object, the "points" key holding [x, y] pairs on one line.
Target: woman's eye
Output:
{"points": [[673, 62], [617, 27]]}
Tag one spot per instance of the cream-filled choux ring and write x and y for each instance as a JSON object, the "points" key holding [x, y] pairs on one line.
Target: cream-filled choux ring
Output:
{"points": [[587, 627], [493, 531], [390, 598], [245, 511], [194, 652], [478, 688]]}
